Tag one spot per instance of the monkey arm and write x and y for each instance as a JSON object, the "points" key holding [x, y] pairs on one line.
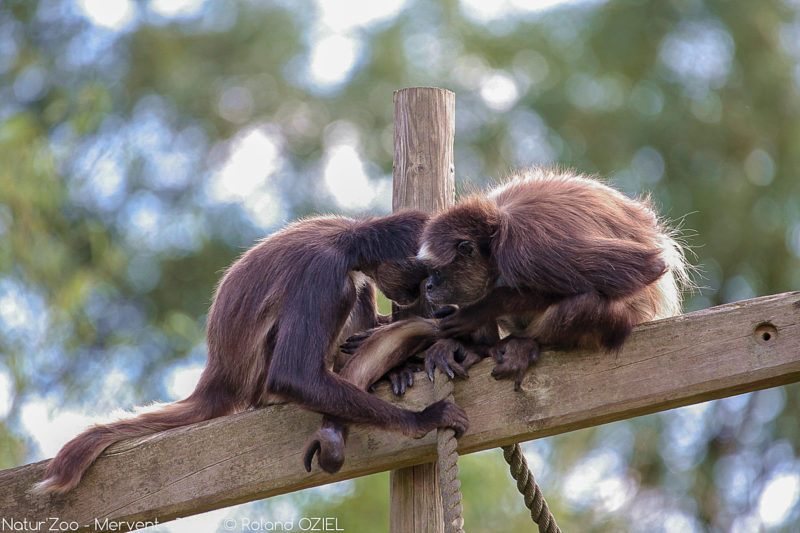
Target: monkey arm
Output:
{"points": [[385, 348], [499, 302]]}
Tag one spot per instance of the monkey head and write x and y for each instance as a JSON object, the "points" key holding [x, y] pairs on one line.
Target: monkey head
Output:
{"points": [[400, 280], [456, 248]]}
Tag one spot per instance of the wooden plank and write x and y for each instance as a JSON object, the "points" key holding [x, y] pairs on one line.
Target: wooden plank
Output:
{"points": [[423, 173], [700, 356]]}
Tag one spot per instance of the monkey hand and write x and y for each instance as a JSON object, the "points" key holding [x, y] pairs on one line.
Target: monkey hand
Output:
{"points": [[442, 414], [329, 442], [354, 341], [451, 357], [461, 323], [445, 310], [514, 356]]}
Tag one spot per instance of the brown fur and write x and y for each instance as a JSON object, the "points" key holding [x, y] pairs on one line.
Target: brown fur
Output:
{"points": [[278, 317], [376, 355], [554, 257], [384, 351]]}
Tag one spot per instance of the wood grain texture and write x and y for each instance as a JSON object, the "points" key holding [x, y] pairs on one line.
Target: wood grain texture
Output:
{"points": [[424, 132], [700, 356], [415, 488], [423, 178]]}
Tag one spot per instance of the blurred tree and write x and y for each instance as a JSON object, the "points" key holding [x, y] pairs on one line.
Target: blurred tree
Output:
{"points": [[145, 144]]}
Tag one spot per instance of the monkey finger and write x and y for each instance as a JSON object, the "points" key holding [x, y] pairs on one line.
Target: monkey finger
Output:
{"points": [[470, 359], [518, 380], [448, 356], [441, 362], [407, 377], [504, 370], [456, 326], [443, 414], [429, 367], [458, 369], [352, 342], [360, 336], [351, 347], [458, 422], [497, 354], [464, 359], [445, 310], [398, 380]]}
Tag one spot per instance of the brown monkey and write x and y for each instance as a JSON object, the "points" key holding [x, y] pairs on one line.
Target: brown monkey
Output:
{"points": [[376, 355], [386, 349], [274, 328], [556, 259], [552, 258]]}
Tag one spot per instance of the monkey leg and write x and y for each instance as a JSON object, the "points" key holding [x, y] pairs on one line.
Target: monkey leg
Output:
{"points": [[586, 320], [514, 355], [385, 348], [501, 301]]}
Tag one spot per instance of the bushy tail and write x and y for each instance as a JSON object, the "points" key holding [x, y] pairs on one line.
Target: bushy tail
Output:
{"points": [[66, 469]]}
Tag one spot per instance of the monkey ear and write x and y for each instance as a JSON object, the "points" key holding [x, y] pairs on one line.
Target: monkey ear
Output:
{"points": [[466, 248]]}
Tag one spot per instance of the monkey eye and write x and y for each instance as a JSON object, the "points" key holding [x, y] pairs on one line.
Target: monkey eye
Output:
{"points": [[437, 273], [465, 248]]}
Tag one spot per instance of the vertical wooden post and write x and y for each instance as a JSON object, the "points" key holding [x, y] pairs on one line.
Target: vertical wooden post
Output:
{"points": [[423, 173]]}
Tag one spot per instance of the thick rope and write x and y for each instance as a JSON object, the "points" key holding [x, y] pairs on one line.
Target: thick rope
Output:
{"points": [[527, 486], [449, 485]]}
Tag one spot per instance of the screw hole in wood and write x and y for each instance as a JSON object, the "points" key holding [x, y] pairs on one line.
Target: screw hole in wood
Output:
{"points": [[765, 333]]}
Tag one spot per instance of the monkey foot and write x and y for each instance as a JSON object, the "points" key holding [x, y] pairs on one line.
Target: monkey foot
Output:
{"points": [[451, 357], [402, 377], [514, 356], [329, 442]]}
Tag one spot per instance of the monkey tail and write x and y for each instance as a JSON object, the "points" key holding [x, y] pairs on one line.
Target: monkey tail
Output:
{"points": [[68, 466]]}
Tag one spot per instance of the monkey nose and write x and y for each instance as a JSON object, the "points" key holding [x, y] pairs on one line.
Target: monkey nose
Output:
{"points": [[429, 285]]}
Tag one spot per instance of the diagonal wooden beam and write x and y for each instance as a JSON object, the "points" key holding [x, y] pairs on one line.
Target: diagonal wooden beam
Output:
{"points": [[700, 356]]}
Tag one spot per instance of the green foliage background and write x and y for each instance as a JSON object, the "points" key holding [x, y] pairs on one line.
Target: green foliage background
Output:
{"points": [[695, 102]]}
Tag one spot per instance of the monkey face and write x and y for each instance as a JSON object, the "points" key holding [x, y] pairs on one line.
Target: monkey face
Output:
{"points": [[456, 247], [463, 281], [400, 280]]}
